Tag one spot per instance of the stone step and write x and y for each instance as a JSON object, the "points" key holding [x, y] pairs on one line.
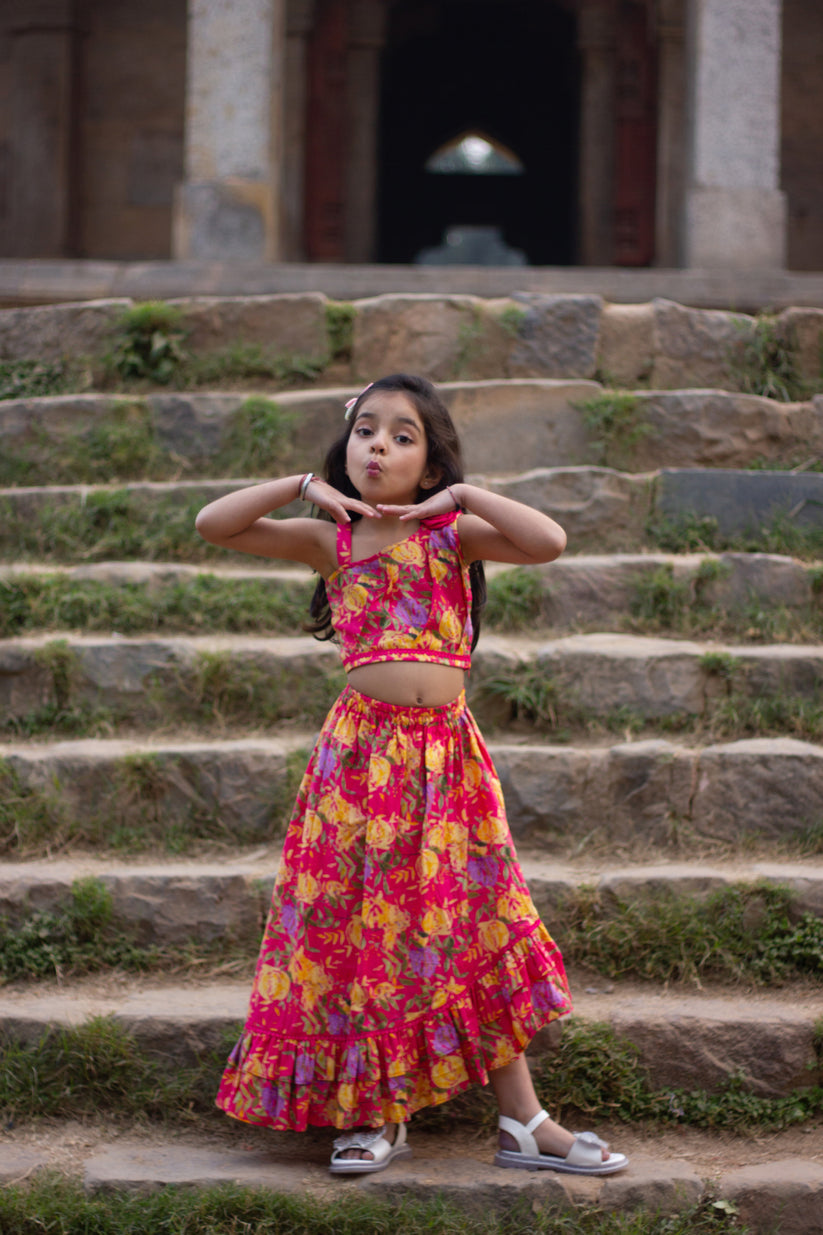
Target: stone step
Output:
{"points": [[631, 797], [205, 679], [602, 511], [451, 337], [549, 422], [766, 1187], [685, 1040], [163, 903], [575, 591]]}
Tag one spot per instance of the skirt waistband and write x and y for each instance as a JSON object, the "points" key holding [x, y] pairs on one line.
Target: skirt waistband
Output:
{"points": [[400, 713]]}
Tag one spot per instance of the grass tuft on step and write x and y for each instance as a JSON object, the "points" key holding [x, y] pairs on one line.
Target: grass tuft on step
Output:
{"points": [[197, 605], [741, 933], [59, 1207], [84, 936]]}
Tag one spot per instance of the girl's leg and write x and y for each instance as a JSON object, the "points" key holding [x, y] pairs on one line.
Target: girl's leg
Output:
{"points": [[514, 1091]]}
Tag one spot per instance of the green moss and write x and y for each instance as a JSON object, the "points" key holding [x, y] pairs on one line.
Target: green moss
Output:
{"points": [[515, 600], [149, 343], [31, 379], [340, 317], [741, 933], [617, 423], [259, 440]]}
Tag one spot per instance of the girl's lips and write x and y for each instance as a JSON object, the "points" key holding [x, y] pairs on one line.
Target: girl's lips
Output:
{"points": [[373, 469]]}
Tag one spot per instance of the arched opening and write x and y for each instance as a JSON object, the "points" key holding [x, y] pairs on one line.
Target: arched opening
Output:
{"points": [[503, 71]]}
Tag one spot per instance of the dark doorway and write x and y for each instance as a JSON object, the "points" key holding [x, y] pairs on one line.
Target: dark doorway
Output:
{"points": [[504, 68]]}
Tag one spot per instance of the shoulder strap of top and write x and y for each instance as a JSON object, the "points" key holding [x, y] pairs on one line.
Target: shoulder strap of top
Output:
{"points": [[438, 521], [344, 544]]}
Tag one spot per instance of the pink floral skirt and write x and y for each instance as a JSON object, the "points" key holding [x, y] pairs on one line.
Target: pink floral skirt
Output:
{"points": [[402, 957]]}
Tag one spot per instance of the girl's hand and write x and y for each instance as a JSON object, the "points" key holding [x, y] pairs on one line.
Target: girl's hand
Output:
{"points": [[440, 503], [325, 497]]}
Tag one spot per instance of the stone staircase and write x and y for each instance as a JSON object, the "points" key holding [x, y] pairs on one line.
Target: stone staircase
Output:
{"points": [[653, 701]]}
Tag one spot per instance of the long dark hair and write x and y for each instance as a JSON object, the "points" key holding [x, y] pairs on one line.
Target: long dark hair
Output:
{"points": [[444, 457]]}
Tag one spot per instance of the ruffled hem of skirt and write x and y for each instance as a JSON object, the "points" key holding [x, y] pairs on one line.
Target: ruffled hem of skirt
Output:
{"points": [[294, 1083]]}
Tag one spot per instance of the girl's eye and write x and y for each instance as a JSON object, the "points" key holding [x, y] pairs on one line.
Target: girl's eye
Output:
{"points": [[363, 431], [403, 437]]}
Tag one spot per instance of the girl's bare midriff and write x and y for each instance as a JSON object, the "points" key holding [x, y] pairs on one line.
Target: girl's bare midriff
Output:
{"points": [[408, 683]]}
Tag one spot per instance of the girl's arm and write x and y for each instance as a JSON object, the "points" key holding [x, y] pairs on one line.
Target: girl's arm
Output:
{"points": [[238, 521], [494, 528]]}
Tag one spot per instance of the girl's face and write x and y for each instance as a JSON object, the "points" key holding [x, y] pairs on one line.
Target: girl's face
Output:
{"points": [[387, 451]]}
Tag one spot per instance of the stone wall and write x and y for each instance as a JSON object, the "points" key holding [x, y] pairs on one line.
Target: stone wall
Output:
{"points": [[132, 126], [802, 138], [5, 151]]}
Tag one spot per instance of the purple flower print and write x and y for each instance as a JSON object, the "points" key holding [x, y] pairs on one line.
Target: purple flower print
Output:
{"points": [[445, 1039], [483, 869], [290, 918], [326, 761], [440, 539], [338, 1023], [274, 1102], [397, 1084], [355, 1063], [545, 996], [411, 613], [237, 1051], [304, 1069], [424, 961]]}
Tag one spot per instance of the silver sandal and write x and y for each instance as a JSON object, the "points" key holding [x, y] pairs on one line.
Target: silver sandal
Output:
{"points": [[376, 1143], [584, 1157]]}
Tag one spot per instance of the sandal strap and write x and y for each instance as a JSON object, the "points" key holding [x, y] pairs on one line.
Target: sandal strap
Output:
{"points": [[522, 1133], [586, 1150], [364, 1138]]}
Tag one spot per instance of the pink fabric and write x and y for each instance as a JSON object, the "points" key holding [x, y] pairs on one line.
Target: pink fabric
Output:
{"points": [[403, 957], [410, 601]]}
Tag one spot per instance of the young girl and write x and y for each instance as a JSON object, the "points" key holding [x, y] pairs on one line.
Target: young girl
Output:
{"points": [[403, 958]]}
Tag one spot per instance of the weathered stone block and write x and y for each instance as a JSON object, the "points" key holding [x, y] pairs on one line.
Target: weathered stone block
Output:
{"points": [[599, 509], [662, 1187], [604, 672], [544, 788], [765, 577], [636, 789], [712, 428], [288, 324], [504, 425], [625, 352], [440, 337], [558, 336], [50, 332], [757, 787], [802, 331], [740, 501], [697, 347], [17, 1165], [785, 1196], [684, 1047]]}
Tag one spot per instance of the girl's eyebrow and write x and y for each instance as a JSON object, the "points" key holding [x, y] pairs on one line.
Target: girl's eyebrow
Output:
{"points": [[401, 420]]}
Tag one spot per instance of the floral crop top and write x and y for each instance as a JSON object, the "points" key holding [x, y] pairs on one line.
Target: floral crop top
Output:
{"points": [[410, 601]]}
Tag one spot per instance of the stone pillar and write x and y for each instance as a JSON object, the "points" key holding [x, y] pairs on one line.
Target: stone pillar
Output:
{"points": [[299, 19], [229, 205], [44, 73], [735, 211], [671, 119], [366, 37], [596, 42]]}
